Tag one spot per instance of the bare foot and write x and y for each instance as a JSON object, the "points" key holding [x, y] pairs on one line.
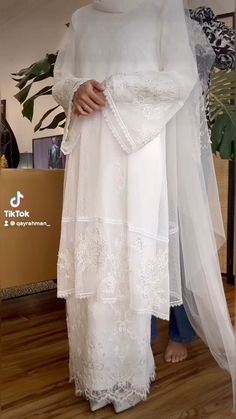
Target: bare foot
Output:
{"points": [[175, 352]]}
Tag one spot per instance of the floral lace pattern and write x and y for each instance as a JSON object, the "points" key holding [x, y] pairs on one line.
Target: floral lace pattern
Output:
{"points": [[144, 97], [102, 362], [112, 263], [137, 88]]}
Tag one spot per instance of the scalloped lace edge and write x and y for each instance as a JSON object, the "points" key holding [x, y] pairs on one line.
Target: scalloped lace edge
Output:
{"points": [[118, 393]]}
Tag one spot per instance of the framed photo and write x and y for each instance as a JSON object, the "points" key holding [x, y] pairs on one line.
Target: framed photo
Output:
{"points": [[47, 153], [3, 108], [228, 19]]}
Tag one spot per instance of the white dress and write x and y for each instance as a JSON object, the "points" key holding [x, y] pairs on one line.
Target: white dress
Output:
{"points": [[118, 261]]}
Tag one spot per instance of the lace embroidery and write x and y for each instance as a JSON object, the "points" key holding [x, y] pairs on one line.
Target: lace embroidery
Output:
{"points": [[102, 362], [203, 142], [149, 98], [109, 262], [63, 92], [121, 392], [142, 89]]}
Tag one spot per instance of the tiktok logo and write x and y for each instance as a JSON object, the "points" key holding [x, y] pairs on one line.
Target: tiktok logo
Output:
{"points": [[16, 200]]}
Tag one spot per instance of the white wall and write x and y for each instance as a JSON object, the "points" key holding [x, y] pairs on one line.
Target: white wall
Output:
{"points": [[29, 29]]}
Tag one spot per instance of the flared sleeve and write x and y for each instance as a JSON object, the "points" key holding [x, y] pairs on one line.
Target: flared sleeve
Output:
{"points": [[66, 84], [140, 104]]}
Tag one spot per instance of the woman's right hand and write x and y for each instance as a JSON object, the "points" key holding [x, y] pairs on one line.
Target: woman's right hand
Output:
{"points": [[89, 98]]}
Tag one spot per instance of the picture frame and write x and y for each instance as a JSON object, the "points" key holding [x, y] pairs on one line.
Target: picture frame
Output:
{"points": [[228, 19], [47, 154]]}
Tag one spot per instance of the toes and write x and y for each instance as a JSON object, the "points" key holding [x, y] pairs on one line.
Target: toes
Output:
{"points": [[178, 357], [175, 354], [175, 359], [168, 357], [183, 356]]}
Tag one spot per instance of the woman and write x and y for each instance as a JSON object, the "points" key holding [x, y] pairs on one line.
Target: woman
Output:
{"points": [[130, 90]]}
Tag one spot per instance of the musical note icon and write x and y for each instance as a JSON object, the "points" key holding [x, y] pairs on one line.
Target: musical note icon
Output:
{"points": [[16, 200]]}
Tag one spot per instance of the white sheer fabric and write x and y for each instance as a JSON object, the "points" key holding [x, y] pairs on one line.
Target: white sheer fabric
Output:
{"points": [[143, 226], [136, 188]]}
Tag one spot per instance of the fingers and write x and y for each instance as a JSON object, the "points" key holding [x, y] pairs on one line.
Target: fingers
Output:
{"points": [[92, 105], [99, 86], [88, 105], [89, 98], [98, 98], [95, 94], [78, 110]]}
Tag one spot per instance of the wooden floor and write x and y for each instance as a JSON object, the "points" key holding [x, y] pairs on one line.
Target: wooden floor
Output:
{"points": [[35, 367]]}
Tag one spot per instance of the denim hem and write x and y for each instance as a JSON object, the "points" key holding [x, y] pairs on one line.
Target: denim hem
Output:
{"points": [[183, 340]]}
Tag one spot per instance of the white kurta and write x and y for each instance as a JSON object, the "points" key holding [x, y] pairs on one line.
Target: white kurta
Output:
{"points": [[118, 261]]}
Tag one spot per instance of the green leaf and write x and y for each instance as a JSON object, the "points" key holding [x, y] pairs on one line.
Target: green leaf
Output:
{"points": [[56, 121], [22, 95], [16, 79], [23, 81], [222, 92], [39, 124], [28, 110], [39, 69], [224, 135], [52, 58], [23, 71], [222, 100], [28, 106], [226, 146]]}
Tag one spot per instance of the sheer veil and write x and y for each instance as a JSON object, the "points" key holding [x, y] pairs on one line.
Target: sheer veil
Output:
{"points": [[200, 221]]}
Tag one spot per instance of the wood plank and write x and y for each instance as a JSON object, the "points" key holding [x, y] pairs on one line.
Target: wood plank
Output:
{"points": [[221, 169], [35, 370]]}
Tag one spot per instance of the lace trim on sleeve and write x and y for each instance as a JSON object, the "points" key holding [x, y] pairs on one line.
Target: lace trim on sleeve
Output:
{"points": [[139, 106], [63, 92], [119, 130]]}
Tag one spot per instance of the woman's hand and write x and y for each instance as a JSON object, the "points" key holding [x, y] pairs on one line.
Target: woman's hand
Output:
{"points": [[89, 98]]}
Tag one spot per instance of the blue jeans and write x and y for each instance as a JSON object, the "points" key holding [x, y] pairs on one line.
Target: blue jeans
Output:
{"points": [[180, 329]]}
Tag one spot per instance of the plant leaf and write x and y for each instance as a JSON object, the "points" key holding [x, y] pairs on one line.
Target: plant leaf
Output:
{"points": [[224, 135], [23, 71], [52, 58], [56, 121], [222, 92], [28, 110], [28, 106], [39, 124], [22, 95]]}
